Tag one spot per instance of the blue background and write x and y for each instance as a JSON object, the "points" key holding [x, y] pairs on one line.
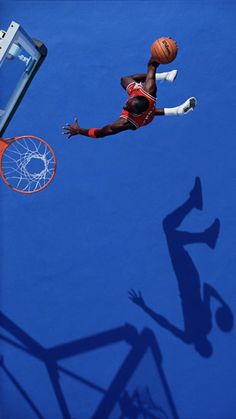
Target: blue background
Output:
{"points": [[71, 252]]}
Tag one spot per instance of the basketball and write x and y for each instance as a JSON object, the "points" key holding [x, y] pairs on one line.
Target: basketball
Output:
{"points": [[164, 50], [224, 318]]}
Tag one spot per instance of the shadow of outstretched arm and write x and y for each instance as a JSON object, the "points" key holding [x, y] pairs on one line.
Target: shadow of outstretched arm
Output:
{"points": [[161, 320]]}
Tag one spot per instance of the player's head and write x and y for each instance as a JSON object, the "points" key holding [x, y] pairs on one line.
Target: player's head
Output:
{"points": [[137, 105], [204, 347]]}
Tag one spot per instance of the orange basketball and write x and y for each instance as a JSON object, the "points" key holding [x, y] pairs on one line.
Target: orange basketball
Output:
{"points": [[164, 50]]}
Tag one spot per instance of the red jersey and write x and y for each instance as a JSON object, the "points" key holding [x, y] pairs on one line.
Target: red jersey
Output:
{"points": [[136, 89]]}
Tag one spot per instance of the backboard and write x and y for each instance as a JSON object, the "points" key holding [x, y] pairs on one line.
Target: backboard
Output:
{"points": [[20, 59]]}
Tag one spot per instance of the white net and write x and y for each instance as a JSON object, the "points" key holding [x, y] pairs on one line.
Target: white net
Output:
{"points": [[28, 164]]}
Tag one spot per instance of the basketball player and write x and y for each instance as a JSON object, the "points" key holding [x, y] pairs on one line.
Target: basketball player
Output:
{"points": [[140, 109]]}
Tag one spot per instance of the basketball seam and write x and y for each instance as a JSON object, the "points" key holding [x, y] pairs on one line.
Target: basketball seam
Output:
{"points": [[164, 52]]}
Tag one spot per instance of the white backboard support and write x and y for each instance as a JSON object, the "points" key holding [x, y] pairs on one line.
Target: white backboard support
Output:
{"points": [[20, 58]]}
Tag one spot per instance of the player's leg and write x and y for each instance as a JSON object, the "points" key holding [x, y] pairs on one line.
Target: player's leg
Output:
{"points": [[208, 236], [183, 109], [169, 76], [174, 219], [139, 78]]}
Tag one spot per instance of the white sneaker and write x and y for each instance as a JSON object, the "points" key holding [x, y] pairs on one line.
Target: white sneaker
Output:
{"points": [[169, 76], [187, 106]]}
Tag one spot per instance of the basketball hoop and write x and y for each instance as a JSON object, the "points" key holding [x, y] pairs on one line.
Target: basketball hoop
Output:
{"points": [[27, 163]]}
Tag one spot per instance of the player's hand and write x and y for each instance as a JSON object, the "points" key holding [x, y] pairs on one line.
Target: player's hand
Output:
{"points": [[152, 60], [136, 298], [71, 129]]}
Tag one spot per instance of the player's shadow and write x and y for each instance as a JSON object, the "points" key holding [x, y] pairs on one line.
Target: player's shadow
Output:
{"points": [[197, 313], [128, 400]]}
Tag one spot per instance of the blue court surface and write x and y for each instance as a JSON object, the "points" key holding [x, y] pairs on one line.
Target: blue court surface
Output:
{"points": [[119, 215]]}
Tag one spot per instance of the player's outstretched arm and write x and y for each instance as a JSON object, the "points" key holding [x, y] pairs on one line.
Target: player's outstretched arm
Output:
{"points": [[111, 129]]}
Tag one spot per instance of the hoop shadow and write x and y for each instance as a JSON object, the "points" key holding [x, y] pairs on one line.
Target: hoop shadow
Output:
{"points": [[130, 404], [196, 308]]}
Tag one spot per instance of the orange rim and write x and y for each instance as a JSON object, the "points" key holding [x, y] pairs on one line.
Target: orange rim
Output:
{"points": [[6, 142]]}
